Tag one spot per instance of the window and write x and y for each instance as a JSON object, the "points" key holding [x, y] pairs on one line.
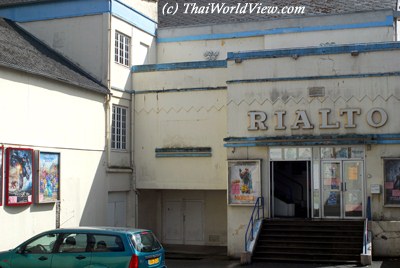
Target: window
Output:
{"points": [[145, 242], [103, 243], [118, 135], [122, 49], [74, 243], [43, 244]]}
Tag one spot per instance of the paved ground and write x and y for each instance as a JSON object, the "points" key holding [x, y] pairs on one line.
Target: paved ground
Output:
{"points": [[215, 257], [218, 263]]}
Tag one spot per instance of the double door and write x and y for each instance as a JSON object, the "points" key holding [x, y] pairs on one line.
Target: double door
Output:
{"points": [[342, 189], [183, 222]]}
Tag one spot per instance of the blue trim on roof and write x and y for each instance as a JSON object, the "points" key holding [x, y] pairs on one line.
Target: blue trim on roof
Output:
{"points": [[310, 51], [76, 8], [388, 22], [174, 90], [310, 140], [307, 78], [55, 10], [179, 66], [133, 17]]}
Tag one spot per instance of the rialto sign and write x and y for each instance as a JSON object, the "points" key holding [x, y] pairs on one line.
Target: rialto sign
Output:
{"points": [[375, 117]]}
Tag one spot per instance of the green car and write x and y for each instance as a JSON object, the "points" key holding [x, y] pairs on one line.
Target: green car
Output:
{"points": [[89, 247]]}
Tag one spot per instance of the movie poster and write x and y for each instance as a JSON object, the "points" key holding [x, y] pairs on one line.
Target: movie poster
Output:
{"points": [[19, 176], [244, 181], [392, 181], [49, 178]]}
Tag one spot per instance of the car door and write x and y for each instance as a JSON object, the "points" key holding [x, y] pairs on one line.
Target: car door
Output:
{"points": [[36, 253], [73, 250]]}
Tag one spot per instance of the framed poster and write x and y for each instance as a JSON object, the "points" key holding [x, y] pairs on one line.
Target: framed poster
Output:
{"points": [[19, 176], [244, 182], [1, 174], [48, 184], [392, 181]]}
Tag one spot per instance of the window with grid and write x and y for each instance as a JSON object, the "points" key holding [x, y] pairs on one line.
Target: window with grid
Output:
{"points": [[122, 49], [118, 134]]}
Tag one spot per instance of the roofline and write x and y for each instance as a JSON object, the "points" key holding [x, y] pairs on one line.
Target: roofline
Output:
{"points": [[310, 51], [63, 9], [23, 3], [77, 68], [275, 19], [92, 89]]}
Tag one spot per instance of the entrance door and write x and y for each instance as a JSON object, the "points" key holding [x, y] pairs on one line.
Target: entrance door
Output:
{"points": [[342, 188], [183, 222], [290, 191]]}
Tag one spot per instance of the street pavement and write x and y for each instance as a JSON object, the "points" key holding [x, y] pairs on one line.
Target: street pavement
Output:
{"points": [[216, 257], [210, 262]]}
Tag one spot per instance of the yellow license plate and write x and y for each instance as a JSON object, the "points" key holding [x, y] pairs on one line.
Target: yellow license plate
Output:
{"points": [[153, 261]]}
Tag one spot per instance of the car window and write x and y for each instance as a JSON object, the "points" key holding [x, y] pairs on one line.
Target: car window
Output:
{"points": [[102, 243], [145, 242], [73, 243], [43, 244]]}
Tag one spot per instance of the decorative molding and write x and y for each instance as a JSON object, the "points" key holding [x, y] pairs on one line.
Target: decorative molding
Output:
{"points": [[184, 152], [311, 140], [179, 110], [310, 100], [211, 55], [179, 66]]}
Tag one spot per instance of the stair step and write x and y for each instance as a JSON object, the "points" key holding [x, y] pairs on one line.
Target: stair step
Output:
{"points": [[300, 260], [310, 240], [312, 244], [315, 251], [307, 236], [298, 222], [311, 254], [329, 228]]}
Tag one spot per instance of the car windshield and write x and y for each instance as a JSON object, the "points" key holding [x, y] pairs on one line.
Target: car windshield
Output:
{"points": [[145, 242]]}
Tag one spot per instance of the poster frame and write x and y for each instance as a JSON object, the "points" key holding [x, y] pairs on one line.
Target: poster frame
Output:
{"points": [[10, 169], [237, 196], [54, 158], [391, 181]]}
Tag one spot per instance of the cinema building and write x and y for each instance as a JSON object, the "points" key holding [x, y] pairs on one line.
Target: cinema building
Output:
{"points": [[305, 115], [293, 117]]}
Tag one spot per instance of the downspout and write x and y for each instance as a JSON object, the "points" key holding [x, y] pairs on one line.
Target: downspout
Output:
{"points": [[132, 139], [108, 97], [396, 15]]}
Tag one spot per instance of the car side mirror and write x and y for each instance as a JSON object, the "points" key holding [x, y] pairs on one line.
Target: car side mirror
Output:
{"points": [[21, 250]]}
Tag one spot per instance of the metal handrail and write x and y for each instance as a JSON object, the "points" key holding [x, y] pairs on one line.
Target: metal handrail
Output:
{"points": [[259, 205], [365, 242]]}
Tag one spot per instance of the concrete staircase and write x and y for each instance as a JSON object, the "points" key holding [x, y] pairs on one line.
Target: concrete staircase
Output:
{"points": [[297, 240]]}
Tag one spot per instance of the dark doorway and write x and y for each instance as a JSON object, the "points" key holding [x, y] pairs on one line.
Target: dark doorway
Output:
{"points": [[290, 189]]}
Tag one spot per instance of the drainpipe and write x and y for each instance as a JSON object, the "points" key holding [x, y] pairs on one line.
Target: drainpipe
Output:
{"points": [[132, 140], [108, 131], [108, 97]]}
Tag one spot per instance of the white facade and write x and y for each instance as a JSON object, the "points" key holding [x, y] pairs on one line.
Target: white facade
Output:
{"points": [[97, 185], [35, 118]]}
